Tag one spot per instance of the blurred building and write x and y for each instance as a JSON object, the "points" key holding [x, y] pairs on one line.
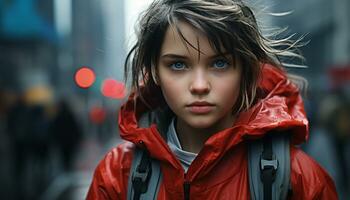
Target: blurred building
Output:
{"points": [[327, 28], [45, 42]]}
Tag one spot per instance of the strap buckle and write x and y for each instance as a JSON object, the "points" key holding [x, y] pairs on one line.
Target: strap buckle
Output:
{"points": [[141, 175], [268, 170], [140, 178], [268, 164]]}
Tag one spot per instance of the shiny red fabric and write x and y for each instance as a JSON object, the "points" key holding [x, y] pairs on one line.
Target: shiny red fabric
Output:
{"points": [[220, 169]]}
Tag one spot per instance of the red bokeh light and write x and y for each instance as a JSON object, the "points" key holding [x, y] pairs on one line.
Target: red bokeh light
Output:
{"points": [[339, 75], [113, 89], [84, 77], [97, 115]]}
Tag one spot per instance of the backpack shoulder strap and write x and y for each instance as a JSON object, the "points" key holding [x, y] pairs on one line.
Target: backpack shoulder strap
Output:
{"points": [[145, 174], [144, 177], [269, 167]]}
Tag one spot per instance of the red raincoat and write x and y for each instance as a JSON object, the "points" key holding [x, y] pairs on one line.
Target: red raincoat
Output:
{"points": [[220, 170]]}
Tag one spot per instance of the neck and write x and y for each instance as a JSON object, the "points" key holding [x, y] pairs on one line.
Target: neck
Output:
{"points": [[193, 139]]}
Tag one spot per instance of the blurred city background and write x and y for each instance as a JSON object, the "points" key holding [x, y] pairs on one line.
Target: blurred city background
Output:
{"points": [[55, 126]]}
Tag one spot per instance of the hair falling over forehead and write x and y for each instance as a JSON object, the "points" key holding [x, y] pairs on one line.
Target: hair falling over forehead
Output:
{"points": [[230, 26]]}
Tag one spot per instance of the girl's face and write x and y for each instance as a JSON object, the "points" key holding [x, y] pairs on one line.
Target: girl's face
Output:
{"points": [[187, 76]]}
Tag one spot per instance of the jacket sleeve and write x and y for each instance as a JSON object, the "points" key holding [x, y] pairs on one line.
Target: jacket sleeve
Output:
{"points": [[110, 180], [309, 180], [98, 186]]}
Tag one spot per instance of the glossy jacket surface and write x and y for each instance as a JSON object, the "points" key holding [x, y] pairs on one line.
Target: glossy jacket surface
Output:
{"points": [[220, 169]]}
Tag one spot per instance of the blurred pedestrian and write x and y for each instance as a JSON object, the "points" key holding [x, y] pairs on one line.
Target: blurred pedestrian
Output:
{"points": [[331, 133], [67, 134]]}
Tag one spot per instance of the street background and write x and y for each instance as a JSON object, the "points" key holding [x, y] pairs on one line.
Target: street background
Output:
{"points": [[53, 132]]}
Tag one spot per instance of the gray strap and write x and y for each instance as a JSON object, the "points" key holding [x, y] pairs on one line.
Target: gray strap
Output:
{"points": [[280, 148], [154, 182]]}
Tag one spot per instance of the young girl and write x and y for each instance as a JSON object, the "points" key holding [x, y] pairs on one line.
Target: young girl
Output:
{"points": [[206, 83]]}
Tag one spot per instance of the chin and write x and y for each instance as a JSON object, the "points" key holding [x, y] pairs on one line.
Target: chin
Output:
{"points": [[201, 123]]}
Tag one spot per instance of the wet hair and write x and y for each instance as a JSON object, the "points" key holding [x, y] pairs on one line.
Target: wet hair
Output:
{"points": [[230, 26]]}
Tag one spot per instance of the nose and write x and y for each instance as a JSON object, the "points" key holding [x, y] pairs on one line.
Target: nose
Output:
{"points": [[199, 83]]}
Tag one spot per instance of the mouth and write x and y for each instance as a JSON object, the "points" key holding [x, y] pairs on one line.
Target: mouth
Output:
{"points": [[200, 103], [200, 107]]}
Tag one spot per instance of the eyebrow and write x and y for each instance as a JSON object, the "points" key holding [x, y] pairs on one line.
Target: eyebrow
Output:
{"points": [[178, 56]]}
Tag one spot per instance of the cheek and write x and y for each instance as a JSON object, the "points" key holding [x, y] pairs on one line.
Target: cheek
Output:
{"points": [[171, 89], [228, 89]]}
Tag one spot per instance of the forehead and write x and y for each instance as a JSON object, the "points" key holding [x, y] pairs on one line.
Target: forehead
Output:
{"points": [[185, 39]]}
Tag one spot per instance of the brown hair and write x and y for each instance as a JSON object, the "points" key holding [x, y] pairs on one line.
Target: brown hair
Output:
{"points": [[230, 25]]}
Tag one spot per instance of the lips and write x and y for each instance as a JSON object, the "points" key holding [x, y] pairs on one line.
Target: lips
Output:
{"points": [[201, 103], [200, 107]]}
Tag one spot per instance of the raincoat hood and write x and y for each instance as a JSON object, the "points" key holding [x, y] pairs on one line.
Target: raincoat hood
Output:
{"points": [[279, 108]]}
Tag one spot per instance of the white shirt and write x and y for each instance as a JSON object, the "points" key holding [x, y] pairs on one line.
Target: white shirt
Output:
{"points": [[185, 157]]}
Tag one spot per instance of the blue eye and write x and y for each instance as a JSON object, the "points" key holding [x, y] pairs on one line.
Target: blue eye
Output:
{"points": [[178, 65], [220, 64]]}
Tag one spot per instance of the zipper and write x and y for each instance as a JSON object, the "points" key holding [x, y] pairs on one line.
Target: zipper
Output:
{"points": [[187, 188]]}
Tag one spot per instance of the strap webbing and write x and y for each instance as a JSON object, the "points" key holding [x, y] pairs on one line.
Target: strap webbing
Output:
{"points": [[268, 167], [142, 175]]}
